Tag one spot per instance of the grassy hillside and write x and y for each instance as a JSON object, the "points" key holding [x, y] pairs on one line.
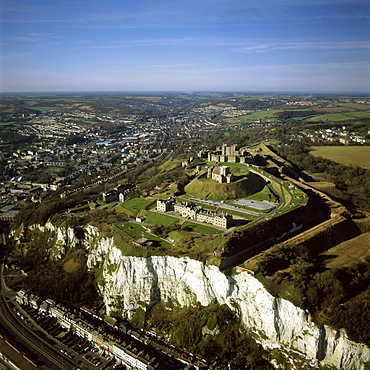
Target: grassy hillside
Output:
{"points": [[210, 189], [348, 253], [347, 155]]}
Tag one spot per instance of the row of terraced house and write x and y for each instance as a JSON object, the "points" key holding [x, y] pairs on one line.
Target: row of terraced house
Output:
{"points": [[129, 350]]}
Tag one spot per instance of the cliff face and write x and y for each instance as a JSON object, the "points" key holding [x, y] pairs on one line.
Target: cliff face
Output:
{"points": [[278, 323], [132, 282]]}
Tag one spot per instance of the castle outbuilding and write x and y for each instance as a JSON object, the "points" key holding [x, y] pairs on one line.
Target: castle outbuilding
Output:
{"points": [[193, 212]]}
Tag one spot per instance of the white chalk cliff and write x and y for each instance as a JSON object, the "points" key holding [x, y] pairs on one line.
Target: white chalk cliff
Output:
{"points": [[133, 281]]}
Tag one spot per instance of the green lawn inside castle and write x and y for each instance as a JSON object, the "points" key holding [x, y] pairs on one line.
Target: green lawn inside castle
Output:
{"points": [[244, 184]]}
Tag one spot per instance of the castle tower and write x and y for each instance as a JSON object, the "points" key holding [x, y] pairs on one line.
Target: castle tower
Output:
{"points": [[224, 149]]}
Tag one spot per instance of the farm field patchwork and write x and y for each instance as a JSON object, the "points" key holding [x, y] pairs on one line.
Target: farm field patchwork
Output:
{"points": [[356, 106], [333, 110], [266, 114], [364, 114], [348, 252], [42, 108], [334, 117], [263, 114], [347, 155]]}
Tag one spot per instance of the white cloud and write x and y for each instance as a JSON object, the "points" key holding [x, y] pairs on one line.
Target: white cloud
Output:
{"points": [[8, 56], [173, 65], [327, 45]]}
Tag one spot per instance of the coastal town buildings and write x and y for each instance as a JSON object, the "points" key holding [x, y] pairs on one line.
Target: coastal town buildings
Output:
{"points": [[130, 347]]}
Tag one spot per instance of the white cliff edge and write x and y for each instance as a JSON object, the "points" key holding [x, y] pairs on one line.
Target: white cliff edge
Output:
{"points": [[186, 282], [183, 281]]}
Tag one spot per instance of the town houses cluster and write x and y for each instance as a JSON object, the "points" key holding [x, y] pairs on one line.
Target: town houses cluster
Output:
{"points": [[128, 346]]}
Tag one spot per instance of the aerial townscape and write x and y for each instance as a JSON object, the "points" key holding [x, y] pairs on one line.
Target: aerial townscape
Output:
{"points": [[184, 185], [170, 234]]}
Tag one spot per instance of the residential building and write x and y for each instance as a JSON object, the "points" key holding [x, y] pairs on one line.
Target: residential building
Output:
{"points": [[194, 212]]}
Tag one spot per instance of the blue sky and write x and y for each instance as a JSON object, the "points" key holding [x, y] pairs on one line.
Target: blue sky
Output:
{"points": [[187, 45]]}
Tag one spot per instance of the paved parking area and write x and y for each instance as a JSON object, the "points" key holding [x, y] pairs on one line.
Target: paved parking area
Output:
{"points": [[256, 204], [224, 206]]}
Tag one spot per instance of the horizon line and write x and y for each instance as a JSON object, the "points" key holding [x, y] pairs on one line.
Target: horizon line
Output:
{"points": [[187, 91]]}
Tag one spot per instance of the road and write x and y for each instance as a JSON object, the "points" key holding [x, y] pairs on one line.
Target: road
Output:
{"points": [[224, 206]]}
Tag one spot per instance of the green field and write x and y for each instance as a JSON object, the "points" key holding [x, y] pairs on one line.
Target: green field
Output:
{"points": [[334, 117], [134, 206], [266, 114], [110, 205], [42, 108], [347, 155], [365, 114], [264, 194], [52, 171], [159, 219], [356, 106], [333, 110], [347, 253], [170, 164], [133, 230], [136, 231], [344, 112]]}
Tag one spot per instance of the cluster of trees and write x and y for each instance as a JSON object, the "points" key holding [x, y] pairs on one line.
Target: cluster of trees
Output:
{"points": [[352, 183], [224, 345], [340, 295], [16, 140], [75, 287], [161, 178], [283, 115], [164, 230], [39, 213]]}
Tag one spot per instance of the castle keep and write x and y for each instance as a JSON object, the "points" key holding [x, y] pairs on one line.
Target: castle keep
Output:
{"points": [[220, 174], [230, 154]]}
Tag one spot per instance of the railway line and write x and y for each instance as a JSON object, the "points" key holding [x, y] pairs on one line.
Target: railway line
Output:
{"points": [[23, 338]]}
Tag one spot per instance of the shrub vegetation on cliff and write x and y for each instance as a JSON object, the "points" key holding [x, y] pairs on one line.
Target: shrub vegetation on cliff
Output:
{"points": [[338, 296], [212, 332]]}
